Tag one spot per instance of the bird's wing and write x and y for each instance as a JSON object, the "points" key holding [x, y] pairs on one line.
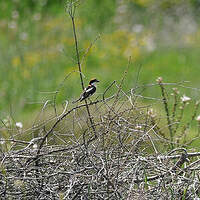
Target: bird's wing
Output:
{"points": [[90, 90]]}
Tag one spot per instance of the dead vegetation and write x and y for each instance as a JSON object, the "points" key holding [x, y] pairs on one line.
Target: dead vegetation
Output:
{"points": [[115, 147], [126, 158]]}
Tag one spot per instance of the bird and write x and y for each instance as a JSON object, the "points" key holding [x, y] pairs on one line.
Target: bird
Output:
{"points": [[88, 91]]}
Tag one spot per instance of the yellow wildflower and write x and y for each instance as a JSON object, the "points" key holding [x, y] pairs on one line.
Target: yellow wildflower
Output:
{"points": [[16, 61], [31, 58]]}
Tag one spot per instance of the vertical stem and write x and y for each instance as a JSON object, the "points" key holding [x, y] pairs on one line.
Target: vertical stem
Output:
{"points": [[77, 52], [80, 71], [167, 114]]}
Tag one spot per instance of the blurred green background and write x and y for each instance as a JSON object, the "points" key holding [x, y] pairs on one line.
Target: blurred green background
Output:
{"points": [[37, 47]]}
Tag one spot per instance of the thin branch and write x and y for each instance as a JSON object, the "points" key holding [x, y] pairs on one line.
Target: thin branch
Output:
{"points": [[72, 14]]}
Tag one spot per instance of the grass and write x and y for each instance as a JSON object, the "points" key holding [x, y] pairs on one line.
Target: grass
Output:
{"points": [[38, 52]]}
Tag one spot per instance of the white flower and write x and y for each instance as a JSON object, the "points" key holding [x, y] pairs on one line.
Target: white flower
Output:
{"points": [[2, 142], [159, 79], [35, 146], [19, 125], [151, 113], [185, 99], [198, 118]]}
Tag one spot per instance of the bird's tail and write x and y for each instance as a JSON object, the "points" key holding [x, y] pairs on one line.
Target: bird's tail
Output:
{"points": [[75, 101]]}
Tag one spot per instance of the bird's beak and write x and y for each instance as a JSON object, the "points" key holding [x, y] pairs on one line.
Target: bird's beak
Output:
{"points": [[98, 81]]}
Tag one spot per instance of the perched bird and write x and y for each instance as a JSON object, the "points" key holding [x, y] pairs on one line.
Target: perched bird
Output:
{"points": [[88, 91]]}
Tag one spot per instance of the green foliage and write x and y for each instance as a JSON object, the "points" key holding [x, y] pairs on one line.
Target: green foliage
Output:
{"points": [[37, 52], [98, 14], [26, 8]]}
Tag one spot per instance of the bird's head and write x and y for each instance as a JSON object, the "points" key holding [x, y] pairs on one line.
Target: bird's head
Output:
{"points": [[93, 81]]}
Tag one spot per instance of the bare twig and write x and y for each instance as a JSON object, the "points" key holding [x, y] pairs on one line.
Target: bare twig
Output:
{"points": [[71, 11]]}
